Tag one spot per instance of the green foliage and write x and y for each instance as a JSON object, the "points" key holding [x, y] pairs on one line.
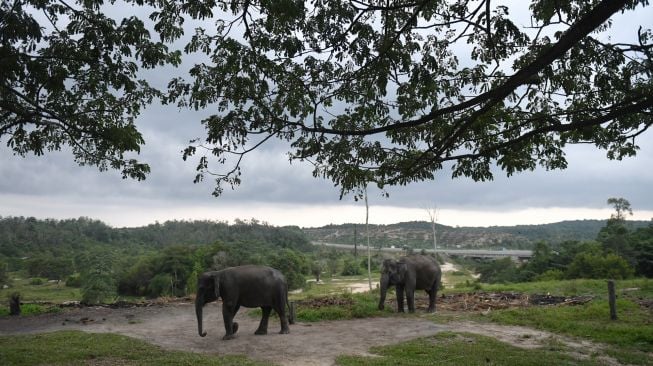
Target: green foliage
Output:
{"points": [[49, 267], [515, 101], [352, 267], [74, 347], [589, 265], [293, 265], [35, 281], [98, 283], [165, 273], [63, 85], [4, 275], [447, 348], [74, 281], [499, 271]]}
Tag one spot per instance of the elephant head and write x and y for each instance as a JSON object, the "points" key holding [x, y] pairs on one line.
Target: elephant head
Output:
{"points": [[208, 290], [392, 273]]}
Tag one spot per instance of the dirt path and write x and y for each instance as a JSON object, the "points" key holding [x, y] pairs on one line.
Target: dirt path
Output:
{"points": [[174, 327]]}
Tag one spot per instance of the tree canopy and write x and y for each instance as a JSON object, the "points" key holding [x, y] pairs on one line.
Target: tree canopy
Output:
{"points": [[382, 92]]}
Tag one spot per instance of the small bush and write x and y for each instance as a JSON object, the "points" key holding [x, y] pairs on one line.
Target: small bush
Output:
{"points": [[551, 275], [74, 281], [351, 267], [36, 281]]}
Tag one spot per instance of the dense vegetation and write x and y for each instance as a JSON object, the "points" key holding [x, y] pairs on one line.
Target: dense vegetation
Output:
{"points": [[158, 259], [618, 251], [165, 259], [155, 260]]}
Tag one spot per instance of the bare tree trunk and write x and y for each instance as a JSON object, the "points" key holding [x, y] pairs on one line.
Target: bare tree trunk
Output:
{"points": [[355, 241], [433, 215], [367, 233]]}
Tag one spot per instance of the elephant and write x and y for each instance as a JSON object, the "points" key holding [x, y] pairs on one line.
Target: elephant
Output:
{"points": [[249, 286], [410, 273]]}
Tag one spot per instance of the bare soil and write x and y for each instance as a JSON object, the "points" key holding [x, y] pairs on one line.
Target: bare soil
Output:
{"points": [[174, 326]]}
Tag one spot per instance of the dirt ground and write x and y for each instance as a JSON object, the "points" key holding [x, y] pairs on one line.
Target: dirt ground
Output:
{"points": [[174, 326]]}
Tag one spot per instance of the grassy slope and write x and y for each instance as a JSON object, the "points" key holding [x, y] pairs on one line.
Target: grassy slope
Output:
{"points": [[74, 348], [629, 339]]}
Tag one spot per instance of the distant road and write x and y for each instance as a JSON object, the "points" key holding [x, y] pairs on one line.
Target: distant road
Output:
{"points": [[478, 253]]}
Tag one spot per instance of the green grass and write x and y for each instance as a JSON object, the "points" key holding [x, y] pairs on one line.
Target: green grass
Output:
{"points": [[640, 287], [632, 329], [48, 291], [362, 305], [628, 339], [74, 348], [32, 309], [461, 349], [333, 285]]}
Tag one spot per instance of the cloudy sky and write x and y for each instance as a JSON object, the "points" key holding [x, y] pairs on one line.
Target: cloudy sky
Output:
{"points": [[53, 186]]}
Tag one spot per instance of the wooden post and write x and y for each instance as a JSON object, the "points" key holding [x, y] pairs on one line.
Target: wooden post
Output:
{"points": [[14, 304], [291, 312], [612, 299]]}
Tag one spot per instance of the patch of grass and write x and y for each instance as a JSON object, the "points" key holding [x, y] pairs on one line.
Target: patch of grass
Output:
{"points": [[47, 291], [460, 349], [73, 348], [32, 309], [458, 279], [333, 286], [362, 305], [633, 329], [639, 287]]}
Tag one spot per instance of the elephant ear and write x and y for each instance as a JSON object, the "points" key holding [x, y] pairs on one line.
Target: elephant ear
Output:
{"points": [[216, 286]]}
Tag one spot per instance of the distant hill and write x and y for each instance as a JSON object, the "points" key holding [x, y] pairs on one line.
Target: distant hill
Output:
{"points": [[418, 234], [27, 236]]}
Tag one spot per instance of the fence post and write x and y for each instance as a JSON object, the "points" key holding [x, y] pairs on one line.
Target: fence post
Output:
{"points": [[612, 299], [14, 304]]}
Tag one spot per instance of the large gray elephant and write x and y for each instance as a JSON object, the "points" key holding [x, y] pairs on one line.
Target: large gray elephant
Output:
{"points": [[410, 273], [249, 286]]}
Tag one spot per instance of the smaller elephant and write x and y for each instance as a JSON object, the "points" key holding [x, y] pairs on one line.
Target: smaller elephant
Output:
{"points": [[249, 286], [410, 273]]}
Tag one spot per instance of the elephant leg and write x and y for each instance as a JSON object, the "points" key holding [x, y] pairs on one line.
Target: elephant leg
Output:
{"points": [[263, 326], [400, 298], [432, 295], [410, 297], [231, 327], [281, 311]]}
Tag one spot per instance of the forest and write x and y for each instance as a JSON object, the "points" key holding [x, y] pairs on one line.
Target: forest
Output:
{"points": [[165, 259]]}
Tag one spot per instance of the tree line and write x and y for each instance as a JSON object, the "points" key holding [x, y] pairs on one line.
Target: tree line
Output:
{"points": [[158, 259], [619, 251]]}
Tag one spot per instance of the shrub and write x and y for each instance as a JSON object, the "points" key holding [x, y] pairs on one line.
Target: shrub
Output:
{"points": [[551, 275], [160, 285], [591, 265], [36, 281], [351, 267], [74, 281]]}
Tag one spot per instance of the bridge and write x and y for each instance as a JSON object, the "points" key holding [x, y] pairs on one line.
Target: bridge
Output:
{"points": [[471, 253]]}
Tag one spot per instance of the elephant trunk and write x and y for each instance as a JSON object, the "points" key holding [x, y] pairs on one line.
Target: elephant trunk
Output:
{"points": [[199, 304], [384, 288]]}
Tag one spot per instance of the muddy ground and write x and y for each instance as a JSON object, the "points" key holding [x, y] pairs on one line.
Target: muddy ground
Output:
{"points": [[173, 326]]}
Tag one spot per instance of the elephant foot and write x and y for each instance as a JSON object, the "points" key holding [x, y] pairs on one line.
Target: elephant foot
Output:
{"points": [[261, 332], [430, 310], [228, 337], [284, 331]]}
